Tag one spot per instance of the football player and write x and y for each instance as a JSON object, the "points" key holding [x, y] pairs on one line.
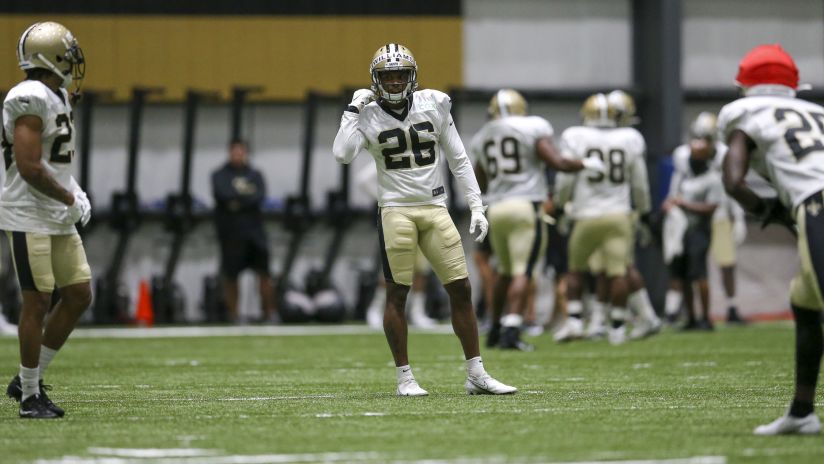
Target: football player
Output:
{"points": [[40, 204], [410, 134], [696, 190], [645, 321], [512, 150], [729, 228], [782, 139], [601, 204]]}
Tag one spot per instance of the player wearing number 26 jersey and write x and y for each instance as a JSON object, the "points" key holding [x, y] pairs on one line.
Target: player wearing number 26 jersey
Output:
{"points": [[410, 133], [782, 138]]}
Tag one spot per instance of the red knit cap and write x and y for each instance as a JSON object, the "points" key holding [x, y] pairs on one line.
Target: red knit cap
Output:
{"points": [[767, 64]]}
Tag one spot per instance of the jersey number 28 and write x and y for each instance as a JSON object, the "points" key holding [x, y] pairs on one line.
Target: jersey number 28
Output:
{"points": [[614, 159]]}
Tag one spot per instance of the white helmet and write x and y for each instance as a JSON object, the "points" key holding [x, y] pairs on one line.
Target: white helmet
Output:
{"points": [[49, 45]]}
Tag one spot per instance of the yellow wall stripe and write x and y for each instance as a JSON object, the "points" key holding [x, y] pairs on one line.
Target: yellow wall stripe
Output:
{"points": [[285, 55]]}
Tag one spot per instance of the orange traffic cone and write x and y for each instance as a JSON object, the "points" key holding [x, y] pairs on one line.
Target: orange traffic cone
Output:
{"points": [[145, 313]]}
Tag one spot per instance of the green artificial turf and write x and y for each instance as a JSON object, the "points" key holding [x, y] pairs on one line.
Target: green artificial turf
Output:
{"points": [[293, 398]]}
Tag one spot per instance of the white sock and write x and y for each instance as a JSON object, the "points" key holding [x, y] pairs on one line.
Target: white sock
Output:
{"points": [[617, 316], [732, 301], [512, 320], [639, 302], [404, 373], [475, 366], [575, 308], [672, 302], [596, 309], [379, 300], [30, 381], [46, 356]]}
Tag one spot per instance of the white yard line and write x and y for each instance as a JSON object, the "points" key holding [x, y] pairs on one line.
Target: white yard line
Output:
{"points": [[238, 331], [135, 458]]}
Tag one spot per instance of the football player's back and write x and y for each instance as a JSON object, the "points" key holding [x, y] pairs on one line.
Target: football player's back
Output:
{"points": [[622, 150]]}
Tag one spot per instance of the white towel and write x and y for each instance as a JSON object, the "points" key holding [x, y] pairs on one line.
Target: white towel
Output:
{"points": [[675, 225]]}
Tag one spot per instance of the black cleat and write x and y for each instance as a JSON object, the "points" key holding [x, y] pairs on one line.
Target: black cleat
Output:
{"points": [[511, 340], [34, 407], [706, 325], [734, 318], [690, 326], [15, 390], [493, 338]]}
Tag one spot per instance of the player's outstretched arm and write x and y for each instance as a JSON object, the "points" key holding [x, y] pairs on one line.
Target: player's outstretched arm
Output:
{"points": [[349, 140], [552, 157]]}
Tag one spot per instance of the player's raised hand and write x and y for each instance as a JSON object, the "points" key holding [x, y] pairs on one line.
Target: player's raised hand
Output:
{"points": [[361, 98]]}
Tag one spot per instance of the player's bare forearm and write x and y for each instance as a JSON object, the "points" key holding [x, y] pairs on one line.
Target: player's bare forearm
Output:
{"points": [[44, 183], [549, 153], [735, 167]]}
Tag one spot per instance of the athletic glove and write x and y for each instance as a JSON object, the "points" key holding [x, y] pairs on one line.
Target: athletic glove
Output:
{"points": [[480, 223], [81, 209], [774, 212], [360, 99]]}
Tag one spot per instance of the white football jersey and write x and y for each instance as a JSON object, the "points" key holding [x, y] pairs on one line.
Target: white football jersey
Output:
{"points": [[505, 148], [622, 186], [789, 138], [705, 187], [22, 207], [409, 148]]}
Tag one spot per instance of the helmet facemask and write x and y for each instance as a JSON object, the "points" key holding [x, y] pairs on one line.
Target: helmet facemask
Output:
{"points": [[393, 57], [398, 90]]}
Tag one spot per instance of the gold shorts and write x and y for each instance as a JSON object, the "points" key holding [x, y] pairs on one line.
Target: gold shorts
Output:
{"points": [[722, 246], [43, 261], [610, 236], [405, 229], [517, 235]]}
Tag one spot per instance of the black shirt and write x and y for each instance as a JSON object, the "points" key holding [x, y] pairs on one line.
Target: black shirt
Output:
{"points": [[239, 194]]}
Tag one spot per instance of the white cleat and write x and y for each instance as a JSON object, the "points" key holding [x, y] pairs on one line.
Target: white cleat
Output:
{"points": [[788, 424], [617, 336], [410, 387], [595, 331], [572, 329], [645, 328], [486, 385]]}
